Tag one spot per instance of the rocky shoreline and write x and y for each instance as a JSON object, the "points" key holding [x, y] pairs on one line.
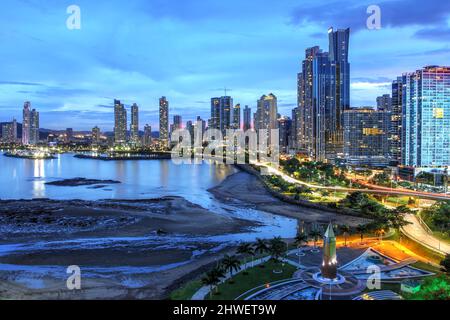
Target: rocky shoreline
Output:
{"points": [[76, 182]]}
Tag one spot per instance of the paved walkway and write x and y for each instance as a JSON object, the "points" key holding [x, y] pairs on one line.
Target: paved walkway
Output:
{"points": [[419, 234]]}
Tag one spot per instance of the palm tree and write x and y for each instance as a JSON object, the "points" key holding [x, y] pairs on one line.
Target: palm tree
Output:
{"points": [[261, 247], [315, 234], [299, 240], [345, 229], [212, 279], [230, 264], [276, 248], [246, 249], [361, 229]]}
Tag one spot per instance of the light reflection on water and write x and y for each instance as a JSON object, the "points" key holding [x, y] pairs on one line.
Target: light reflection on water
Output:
{"points": [[25, 179]]}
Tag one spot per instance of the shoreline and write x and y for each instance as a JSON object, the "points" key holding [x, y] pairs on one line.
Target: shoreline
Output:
{"points": [[139, 245], [247, 189]]}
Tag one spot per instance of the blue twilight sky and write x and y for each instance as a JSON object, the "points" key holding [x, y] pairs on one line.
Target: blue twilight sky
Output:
{"points": [[188, 50]]}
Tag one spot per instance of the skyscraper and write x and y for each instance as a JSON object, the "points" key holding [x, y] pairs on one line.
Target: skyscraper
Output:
{"points": [[426, 118], [9, 132], [323, 95], [215, 113], [164, 121], [147, 135], [396, 121], [34, 127], [134, 127], [267, 112], [221, 116], [96, 136], [384, 102], [26, 123], [236, 117], [366, 137], [285, 126], [339, 42], [177, 122], [247, 118], [226, 103], [120, 123], [69, 135]]}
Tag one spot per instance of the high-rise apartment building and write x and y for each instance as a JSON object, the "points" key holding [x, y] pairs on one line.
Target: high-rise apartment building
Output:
{"points": [[34, 127], [134, 126], [26, 123], [426, 118], [247, 118], [9, 132], [384, 102], [96, 136], [285, 126], [366, 137], [396, 121], [120, 123], [164, 121], [147, 135], [236, 117]]}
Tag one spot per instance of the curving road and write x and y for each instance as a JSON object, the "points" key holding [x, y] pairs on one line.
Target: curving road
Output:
{"points": [[373, 188], [419, 234]]}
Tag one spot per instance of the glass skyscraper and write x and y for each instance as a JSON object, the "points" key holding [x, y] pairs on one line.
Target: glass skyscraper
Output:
{"points": [[323, 95], [120, 123], [164, 122], [426, 118]]}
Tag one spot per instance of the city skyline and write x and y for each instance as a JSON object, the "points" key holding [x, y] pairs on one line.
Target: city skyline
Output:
{"points": [[83, 77]]}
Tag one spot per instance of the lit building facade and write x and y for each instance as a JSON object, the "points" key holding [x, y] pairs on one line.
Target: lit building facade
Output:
{"points": [[323, 94], [26, 123], [164, 121], [366, 137], [426, 118], [134, 127], [236, 117], [120, 123]]}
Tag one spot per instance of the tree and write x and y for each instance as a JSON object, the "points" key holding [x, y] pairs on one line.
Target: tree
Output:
{"points": [[246, 249], [276, 248], [445, 263], [299, 240], [261, 247], [361, 229], [230, 264], [212, 279], [345, 229], [315, 235], [433, 288]]}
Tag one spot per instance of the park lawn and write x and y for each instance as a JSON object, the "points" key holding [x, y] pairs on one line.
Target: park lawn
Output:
{"points": [[187, 291], [256, 277]]}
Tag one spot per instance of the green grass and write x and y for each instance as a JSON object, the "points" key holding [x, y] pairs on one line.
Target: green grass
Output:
{"points": [[256, 277], [187, 291]]}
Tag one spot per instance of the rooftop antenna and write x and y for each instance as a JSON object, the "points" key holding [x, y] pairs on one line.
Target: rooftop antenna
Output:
{"points": [[225, 89]]}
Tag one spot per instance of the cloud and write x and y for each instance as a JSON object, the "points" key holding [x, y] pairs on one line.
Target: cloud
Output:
{"points": [[436, 33], [397, 13], [18, 83]]}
